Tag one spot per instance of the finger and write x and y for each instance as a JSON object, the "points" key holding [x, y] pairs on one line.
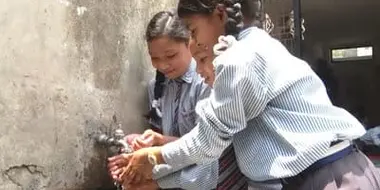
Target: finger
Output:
{"points": [[117, 172], [149, 140], [113, 169], [112, 166], [141, 143], [121, 159], [136, 145], [117, 163], [129, 174], [117, 178], [147, 134], [117, 157], [129, 138]]}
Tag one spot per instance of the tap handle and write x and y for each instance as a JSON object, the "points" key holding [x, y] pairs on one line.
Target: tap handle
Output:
{"points": [[119, 133], [102, 139]]}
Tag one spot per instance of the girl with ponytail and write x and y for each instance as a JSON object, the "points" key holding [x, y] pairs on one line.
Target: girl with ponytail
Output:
{"points": [[269, 104], [173, 95]]}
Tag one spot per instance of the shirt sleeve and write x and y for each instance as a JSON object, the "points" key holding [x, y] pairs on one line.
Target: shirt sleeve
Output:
{"points": [[239, 95], [204, 91], [194, 177]]}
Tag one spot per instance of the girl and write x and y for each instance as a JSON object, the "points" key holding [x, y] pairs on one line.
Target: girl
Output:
{"points": [[173, 96], [269, 104]]}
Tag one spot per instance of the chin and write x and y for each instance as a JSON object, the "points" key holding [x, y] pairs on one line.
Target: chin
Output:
{"points": [[209, 82], [172, 76]]}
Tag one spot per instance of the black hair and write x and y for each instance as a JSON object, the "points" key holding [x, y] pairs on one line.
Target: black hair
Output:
{"points": [[167, 23], [164, 23], [235, 9], [154, 113]]}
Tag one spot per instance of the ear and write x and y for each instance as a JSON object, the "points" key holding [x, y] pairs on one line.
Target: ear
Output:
{"points": [[220, 12]]}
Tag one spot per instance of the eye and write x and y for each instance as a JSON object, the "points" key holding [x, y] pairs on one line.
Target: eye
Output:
{"points": [[193, 33], [171, 55]]}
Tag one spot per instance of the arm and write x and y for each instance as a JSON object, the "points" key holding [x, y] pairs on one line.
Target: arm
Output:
{"points": [[200, 177], [193, 177], [167, 139], [239, 95]]}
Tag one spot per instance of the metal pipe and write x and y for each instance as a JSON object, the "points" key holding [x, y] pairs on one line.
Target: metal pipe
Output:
{"points": [[297, 28]]}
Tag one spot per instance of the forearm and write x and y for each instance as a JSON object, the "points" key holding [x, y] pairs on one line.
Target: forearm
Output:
{"points": [[201, 145], [221, 116], [192, 177], [166, 139]]}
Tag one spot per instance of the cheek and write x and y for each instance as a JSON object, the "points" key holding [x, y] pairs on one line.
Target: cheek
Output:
{"points": [[179, 63], [154, 64], [193, 46], [214, 30]]}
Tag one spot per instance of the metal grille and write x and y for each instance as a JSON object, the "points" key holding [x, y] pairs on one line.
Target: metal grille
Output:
{"points": [[280, 15]]}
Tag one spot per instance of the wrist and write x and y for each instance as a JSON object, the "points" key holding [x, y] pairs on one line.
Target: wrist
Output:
{"points": [[155, 184], [159, 140], [158, 154], [155, 157]]}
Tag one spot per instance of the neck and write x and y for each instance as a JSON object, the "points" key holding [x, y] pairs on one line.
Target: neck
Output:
{"points": [[251, 23]]}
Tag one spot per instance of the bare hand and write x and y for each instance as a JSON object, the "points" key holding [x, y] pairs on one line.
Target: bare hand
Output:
{"points": [[130, 138], [148, 139], [137, 165], [116, 166]]}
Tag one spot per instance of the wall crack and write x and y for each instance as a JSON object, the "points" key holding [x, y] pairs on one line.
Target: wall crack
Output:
{"points": [[27, 176]]}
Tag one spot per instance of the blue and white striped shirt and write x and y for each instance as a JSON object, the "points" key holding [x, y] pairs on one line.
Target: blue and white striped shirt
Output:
{"points": [[193, 89], [271, 106]]}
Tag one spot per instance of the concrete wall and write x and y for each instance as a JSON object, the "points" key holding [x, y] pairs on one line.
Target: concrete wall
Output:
{"points": [[66, 68]]}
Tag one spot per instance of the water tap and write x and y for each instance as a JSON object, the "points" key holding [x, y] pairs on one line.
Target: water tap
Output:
{"points": [[115, 145], [116, 141]]}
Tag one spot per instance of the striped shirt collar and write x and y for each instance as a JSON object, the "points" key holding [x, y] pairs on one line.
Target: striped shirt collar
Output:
{"points": [[189, 75], [245, 32]]}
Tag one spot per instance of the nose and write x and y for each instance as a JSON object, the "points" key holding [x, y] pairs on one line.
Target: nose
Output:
{"points": [[162, 65]]}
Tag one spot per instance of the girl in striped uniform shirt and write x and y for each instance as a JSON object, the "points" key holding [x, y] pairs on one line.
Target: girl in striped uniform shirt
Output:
{"points": [[266, 102], [173, 96]]}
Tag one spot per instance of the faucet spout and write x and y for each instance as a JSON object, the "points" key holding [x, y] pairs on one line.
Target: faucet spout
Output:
{"points": [[125, 146], [115, 144]]}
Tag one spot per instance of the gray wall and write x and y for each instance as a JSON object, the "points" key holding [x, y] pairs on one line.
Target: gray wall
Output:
{"points": [[66, 68]]}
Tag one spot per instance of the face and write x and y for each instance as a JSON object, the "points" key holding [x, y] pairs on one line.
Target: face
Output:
{"points": [[205, 30], [170, 57]]}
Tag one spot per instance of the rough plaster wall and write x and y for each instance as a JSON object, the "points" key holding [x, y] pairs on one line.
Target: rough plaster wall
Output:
{"points": [[66, 67]]}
